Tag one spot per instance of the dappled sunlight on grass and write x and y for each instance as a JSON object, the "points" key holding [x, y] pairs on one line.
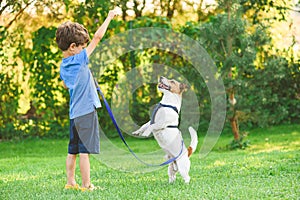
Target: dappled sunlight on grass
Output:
{"points": [[18, 177], [271, 147], [276, 142], [219, 163]]}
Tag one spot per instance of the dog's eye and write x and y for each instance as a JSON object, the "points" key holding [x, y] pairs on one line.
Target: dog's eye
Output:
{"points": [[172, 81]]}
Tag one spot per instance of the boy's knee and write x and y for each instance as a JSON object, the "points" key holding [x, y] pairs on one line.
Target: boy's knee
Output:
{"points": [[83, 155], [72, 156]]}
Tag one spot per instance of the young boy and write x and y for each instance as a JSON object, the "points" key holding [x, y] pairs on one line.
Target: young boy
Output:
{"points": [[72, 39]]}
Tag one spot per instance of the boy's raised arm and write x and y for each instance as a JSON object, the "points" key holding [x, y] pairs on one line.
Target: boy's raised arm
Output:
{"points": [[100, 32]]}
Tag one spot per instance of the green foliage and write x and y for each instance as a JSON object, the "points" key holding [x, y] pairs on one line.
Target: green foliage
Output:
{"points": [[266, 94], [9, 92], [241, 143], [266, 85], [272, 93], [42, 63]]}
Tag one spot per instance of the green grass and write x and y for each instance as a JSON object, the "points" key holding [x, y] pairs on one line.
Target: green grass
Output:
{"points": [[268, 169]]}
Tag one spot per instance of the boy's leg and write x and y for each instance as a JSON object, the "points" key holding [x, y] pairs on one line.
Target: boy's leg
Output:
{"points": [[88, 131], [70, 167], [84, 163]]}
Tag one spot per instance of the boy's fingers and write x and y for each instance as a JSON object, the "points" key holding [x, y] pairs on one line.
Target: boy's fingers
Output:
{"points": [[117, 11], [112, 13]]}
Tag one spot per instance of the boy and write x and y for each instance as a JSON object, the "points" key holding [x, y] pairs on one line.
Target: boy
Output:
{"points": [[72, 39]]}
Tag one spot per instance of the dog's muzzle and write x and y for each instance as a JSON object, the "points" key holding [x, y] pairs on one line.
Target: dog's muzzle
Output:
{"points": [[164, 86]]}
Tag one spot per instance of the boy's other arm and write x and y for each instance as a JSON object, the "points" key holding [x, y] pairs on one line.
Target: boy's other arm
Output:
{"points": [[100, 33]]}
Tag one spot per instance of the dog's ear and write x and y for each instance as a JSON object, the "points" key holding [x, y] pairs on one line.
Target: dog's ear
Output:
{"points": [[183, 87]]}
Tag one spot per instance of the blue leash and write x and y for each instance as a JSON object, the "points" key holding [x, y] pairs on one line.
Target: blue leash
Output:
{"points": [[123, 139]]}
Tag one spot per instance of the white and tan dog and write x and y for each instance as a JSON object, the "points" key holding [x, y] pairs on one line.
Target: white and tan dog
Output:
{"points": [[164, 126]]}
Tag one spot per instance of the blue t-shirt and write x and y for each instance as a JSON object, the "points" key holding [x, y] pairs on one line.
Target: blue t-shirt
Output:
{"points": [[75, 73]]}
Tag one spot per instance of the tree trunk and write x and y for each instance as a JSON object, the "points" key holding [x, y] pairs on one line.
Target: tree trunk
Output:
{"points": [[234, 118], [232, 100], [171, 7], [234, 127], [138, 12]]}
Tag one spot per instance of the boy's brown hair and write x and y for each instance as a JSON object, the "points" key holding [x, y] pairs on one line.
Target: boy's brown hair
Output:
{"points": [[71, 32]]}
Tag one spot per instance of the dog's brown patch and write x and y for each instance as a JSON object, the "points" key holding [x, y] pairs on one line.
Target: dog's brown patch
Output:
{"points": [[183, 87], [190, 151], [177, 87]]}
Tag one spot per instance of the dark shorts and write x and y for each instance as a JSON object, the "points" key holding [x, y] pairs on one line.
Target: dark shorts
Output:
{"points": [[84, 134]]}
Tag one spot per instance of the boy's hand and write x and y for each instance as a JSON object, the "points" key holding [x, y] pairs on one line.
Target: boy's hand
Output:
{"points": [[100, 32], [112, 14]]}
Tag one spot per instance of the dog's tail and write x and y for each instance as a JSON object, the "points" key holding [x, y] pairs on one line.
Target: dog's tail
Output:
{"points": [[194, 141]]}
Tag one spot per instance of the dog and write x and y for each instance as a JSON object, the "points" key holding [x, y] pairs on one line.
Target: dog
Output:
{"points": [[164, 127]]}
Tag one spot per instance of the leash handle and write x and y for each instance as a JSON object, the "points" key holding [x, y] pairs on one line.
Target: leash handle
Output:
{"points": [[123, 139]]}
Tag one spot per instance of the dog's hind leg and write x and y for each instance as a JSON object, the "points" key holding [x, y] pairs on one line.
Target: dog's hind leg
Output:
{"points": [[172, 170], [183, 165]]}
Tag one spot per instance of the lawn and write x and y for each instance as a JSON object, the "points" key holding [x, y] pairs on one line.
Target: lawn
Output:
{"points": [[268, 169]]}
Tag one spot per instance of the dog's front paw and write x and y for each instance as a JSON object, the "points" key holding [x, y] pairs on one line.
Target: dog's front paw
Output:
{"points": [[147, 133], [136, 133]]}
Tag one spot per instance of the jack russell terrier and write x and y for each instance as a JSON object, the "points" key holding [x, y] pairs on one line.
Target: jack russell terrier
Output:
{"points": [[164, 126]]}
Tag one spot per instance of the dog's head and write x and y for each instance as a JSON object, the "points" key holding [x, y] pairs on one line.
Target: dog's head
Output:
{"points": [[173, 86]]}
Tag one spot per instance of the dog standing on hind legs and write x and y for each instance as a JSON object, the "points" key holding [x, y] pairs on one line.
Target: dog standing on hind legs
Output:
{"points": [[164, 127]]}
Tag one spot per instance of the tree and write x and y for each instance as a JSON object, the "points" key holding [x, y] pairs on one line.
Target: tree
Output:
{"points": [[233, 47], [237, 45], [234, 32]]}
